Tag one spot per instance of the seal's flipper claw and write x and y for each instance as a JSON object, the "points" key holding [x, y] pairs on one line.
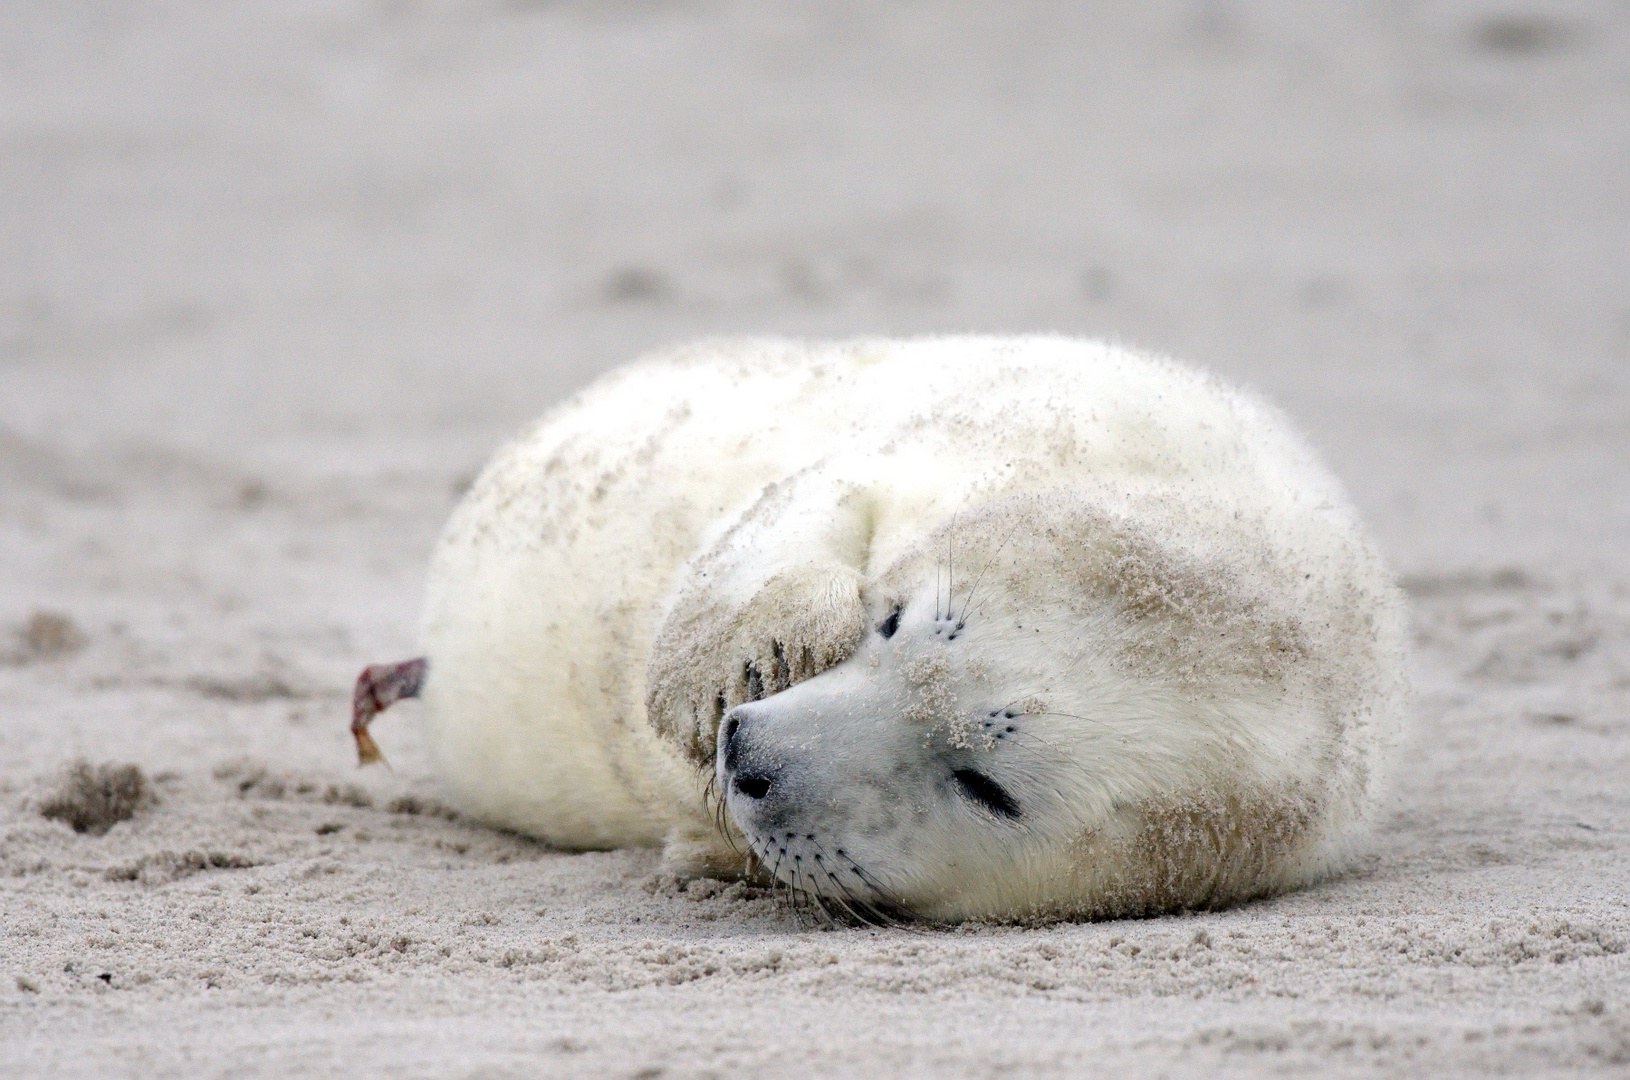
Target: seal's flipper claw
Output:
{"points": [[378, 688]]}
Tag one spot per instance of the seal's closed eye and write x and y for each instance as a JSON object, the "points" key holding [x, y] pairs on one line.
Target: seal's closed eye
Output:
{"points": [[986, 792]]}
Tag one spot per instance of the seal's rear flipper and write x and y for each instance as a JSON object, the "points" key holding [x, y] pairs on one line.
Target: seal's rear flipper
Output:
{"points": [[378, 688]]}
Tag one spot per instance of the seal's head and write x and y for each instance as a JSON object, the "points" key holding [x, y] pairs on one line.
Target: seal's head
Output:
{"points": [[1100, 721], [905, 779]]}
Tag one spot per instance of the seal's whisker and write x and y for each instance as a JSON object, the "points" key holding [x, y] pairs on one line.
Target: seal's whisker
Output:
{"points": [[801, 898], [1019, 738], [797, 896], [1015, 735], [843, 904], [818, 898], [782, 891], [967, 605], [719, 812], [936, 590], [804, 892], [714, 799], [1071, 715], [891, 911], [865, 911]]}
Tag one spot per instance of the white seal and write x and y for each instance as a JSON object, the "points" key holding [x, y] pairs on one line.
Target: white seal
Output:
{"points": [[960, 627]]}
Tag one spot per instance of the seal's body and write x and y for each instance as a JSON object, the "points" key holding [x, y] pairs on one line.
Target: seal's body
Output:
{"points": [[960, 627]]}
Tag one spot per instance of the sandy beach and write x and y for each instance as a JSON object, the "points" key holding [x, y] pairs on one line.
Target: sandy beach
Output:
{"points": [[275, 279]]}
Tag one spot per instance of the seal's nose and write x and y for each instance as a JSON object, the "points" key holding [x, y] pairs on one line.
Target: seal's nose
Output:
{"points": [[753, 781]]}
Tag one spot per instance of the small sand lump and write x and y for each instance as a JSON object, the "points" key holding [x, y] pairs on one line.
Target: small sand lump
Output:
{"points": [[45, 635], [93, 800]]}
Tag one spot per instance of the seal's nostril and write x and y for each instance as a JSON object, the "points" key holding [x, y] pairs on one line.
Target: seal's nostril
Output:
{"points": [[728, 742], [754, 787]]}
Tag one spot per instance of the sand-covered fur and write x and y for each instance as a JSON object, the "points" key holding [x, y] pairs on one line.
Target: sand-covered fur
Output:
{"points": [[1194, 649]]}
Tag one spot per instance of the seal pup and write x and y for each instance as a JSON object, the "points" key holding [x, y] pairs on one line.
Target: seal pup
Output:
{"points": [[951, 628]]}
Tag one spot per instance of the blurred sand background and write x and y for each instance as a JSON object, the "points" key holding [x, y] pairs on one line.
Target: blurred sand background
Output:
{"points": [[275, 278]]}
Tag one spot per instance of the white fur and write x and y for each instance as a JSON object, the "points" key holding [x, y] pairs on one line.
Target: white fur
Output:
{"points": [[1201, 650]]}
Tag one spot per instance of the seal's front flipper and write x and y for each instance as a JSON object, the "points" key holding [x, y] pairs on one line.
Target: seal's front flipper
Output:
{"points": [[378, 688], [776, 601]]}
